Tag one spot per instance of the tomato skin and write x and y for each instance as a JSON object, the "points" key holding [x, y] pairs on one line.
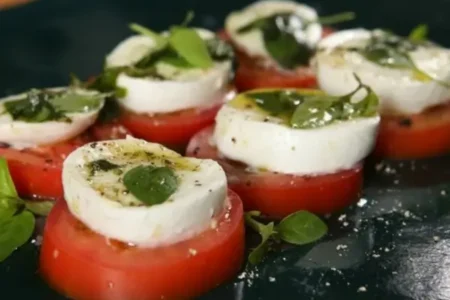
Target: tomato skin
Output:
{"points": [[173, 130], [278, 195], [84, 265], [109, 131], [416, 136]]}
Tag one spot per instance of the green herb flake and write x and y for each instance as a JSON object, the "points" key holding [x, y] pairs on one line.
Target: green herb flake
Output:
{"points": [[151, 185], [101, 165], [40, 208], [419, 33], [161, 41]]}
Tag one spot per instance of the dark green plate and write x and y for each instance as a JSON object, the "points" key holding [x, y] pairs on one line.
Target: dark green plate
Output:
{"points": [[395, 246]]}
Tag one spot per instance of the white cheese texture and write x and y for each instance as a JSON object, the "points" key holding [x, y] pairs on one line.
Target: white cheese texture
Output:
{"points": [[399, 91], [264, 142], [252, 42], [20, 134], [102, 203], [186, 88]]}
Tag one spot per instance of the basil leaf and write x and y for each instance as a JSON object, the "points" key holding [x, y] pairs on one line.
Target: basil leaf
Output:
{"points": [[315, 112], [265, 231], [40, 208], [151, 185], [73, 102], [301, 228], [190, 46], [277, 102], [106, 81], [419, 33], [160, 41], [7, 187], [283, 44], [34, 108], [388, 57], [188, 18], [14, 232]]}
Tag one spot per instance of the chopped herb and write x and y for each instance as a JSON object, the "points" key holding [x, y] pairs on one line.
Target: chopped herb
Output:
{"points": [[101, 165], [312, 111], [419, 33], [151, 185], [299, 228]]}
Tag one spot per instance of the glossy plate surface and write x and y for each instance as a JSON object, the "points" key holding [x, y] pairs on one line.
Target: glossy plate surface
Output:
{"points": [[395, 244]]}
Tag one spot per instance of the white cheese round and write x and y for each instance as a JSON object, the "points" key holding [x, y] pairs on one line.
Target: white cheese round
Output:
{"points": [[398, 90], [252, 42], [102, 203], [186, 88], [261, 142], [20, 134]]}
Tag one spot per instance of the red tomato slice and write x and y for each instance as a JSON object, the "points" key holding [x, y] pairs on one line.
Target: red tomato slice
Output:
{"points": [[172, 129], [109, 131], [36, 172], [84, 265], [278, 195], [415, 136]]}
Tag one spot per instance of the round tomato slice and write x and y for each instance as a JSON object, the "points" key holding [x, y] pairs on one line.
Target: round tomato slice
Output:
{"points": [[278, 195], [173, 130], [36, 172], [84, 265], [109, 131], [416, 136]]}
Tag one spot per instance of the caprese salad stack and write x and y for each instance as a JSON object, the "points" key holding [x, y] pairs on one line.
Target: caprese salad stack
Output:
{"points": [[170, 85], [275, 41], [286, 150], [409, 74], [39, 128], [139, 221]]}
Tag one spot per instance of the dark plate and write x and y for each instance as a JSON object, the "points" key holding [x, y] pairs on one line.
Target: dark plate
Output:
{"points": [[395, 246]]}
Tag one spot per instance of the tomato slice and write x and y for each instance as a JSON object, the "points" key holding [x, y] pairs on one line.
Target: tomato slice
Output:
{"points": [[173, 130], [416, 136], [84, 265], [109, 131], [278, 195], [36, 172]]}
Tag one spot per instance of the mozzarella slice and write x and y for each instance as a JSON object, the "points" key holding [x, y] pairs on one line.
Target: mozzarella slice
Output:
{"points": [[102, 203], [398, 90], [21, 134], [186, 88], [263, 142], [252, 42]]}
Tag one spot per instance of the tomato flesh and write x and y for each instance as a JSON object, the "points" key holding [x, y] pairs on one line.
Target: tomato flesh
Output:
{"points": [[84, 265], [278, 195], [416, 136], [173, 130], [36, 172]]}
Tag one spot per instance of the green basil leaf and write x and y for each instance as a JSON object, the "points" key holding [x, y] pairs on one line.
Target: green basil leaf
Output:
{"points": [[72, 102], [7, 187], [316, 111], [151, 185], [419, 33], [106, 81], [277, 102], [161, 41], [40, 208], [188, 18], [265, 231], [34, 108], [190, 46], [368, 106], [388, 57], [14, 232], [301, 228]]}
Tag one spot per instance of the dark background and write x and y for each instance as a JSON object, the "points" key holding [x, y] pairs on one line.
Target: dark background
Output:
{"points": [[42, 42]]}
